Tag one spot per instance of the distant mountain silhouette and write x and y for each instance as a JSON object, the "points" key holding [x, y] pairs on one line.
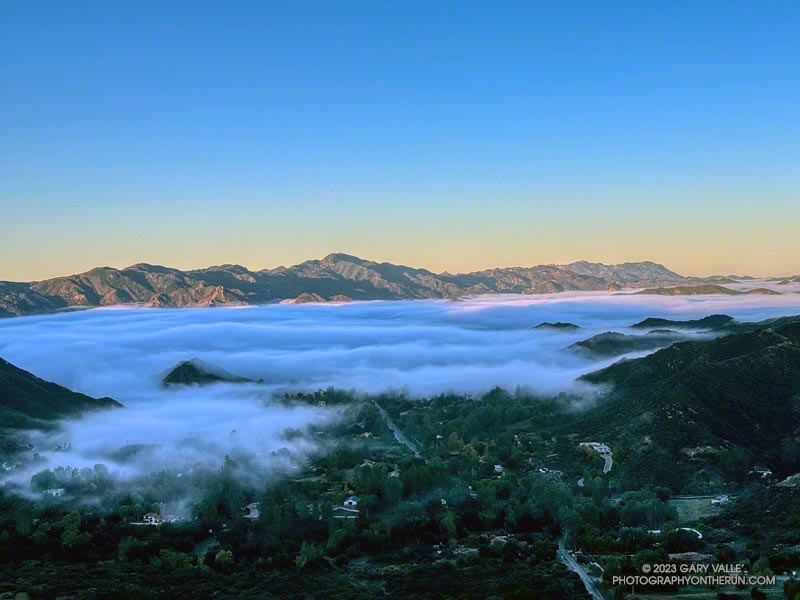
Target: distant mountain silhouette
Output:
{"points": [[337, 277], [693, 290]]}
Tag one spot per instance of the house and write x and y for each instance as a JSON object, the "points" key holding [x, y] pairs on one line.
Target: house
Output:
{"points": [[499, 468], [368, 463], [394, 473], [551, 472], [153, 518], [342, 512], [352, 501], [251, 511], [598, 447], [761, 471], [724, 499], [54, 492]]}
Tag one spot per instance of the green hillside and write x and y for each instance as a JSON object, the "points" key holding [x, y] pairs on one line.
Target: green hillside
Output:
{"points": [[26, 400]]}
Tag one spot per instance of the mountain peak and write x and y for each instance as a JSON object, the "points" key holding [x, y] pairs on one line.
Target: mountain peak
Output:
{"points": [[335, 257]]}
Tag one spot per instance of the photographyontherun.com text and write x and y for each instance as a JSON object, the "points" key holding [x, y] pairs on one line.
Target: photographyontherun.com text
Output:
{"points": [[672, 574]]}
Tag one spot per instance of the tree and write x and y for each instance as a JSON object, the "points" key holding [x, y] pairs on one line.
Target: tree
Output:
{"points": [[761, 567], [447, 523], [179, 561], [391, 489], [72, 540], [44, 480], [336, 541], [308, 555], [131, 549], [223, 560], [791, 589], [455, 443]]}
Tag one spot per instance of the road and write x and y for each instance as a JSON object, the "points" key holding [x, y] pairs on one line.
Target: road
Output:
{"points": [[701, 497], [565, 557], [694, 531], [398, 435], [608, 462]]}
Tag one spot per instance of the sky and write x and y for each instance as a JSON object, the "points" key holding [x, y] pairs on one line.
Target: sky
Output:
{"points": [[450, 135]]}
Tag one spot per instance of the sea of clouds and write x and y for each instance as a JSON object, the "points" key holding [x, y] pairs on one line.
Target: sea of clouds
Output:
{"points": [[418, 347]]}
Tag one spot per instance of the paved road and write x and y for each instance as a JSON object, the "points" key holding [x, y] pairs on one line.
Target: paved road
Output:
{"points": [[608, 463], [694, 531], [572, 564], [701, 497], [398, 435]]}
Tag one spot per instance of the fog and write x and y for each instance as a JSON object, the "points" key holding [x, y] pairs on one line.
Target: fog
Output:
{"points": [[419, 347]]}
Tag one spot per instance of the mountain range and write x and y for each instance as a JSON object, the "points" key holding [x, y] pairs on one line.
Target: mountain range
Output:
{"points": [[337, 277]]}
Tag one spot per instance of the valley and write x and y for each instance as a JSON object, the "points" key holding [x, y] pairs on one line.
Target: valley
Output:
{"points": [[272, 486]]}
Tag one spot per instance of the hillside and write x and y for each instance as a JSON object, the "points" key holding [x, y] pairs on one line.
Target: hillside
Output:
{"points": [[736, 398], [26, 400], [337, 277], [711, 322], [694, 290], [197, 372], [612, 343]]}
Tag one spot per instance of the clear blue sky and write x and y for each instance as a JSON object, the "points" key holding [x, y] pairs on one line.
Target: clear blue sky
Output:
{"points": [[451, 135]]}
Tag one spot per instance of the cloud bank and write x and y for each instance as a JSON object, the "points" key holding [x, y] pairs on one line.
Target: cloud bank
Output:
{"points": [[422, 347]]}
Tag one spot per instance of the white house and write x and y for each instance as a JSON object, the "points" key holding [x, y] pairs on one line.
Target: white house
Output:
{"points": [[54, 492], [352, 501], [154, 518], [596, 447], [762, 471]]}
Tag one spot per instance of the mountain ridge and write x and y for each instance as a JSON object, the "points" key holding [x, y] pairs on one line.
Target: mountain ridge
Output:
{"points": [[737, 396], [28, 401], [335, 277]]}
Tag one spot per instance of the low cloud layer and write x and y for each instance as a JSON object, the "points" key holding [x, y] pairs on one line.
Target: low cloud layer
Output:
{"points": [[423, 347]]}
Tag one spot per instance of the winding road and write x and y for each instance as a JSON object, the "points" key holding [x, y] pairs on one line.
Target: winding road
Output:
{"points": [[608, 462]]}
